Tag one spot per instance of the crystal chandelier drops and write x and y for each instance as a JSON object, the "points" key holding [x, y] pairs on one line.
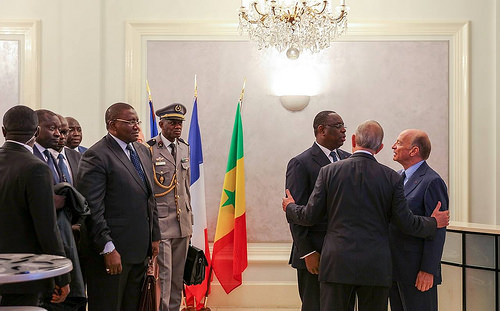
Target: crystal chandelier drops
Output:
{"points": [[293, 25]]}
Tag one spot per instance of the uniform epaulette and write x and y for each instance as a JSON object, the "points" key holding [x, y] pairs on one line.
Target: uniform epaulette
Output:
{"points": [[151, 142], [182, 141]]}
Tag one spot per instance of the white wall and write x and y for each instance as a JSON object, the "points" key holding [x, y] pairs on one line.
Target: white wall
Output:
{"points": [[83, 61]]}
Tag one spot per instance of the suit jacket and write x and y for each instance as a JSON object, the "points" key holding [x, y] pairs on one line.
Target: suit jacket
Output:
{"points": [[164, 168], [55, 175], [301, 174], [73, 158], [27, 213], [411, 254], [359, 197], [123, 209]]}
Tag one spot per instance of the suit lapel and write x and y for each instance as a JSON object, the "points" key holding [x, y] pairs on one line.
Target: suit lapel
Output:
{"points": [[122, 157], [73, 161], [319, 156], [342, 154], [145, 158], [55, 171], [416, 178], [37, 153]]}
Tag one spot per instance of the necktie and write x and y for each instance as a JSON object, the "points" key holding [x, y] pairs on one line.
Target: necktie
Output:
{"points": [[334, 156], [66, 176], [403, 175], [172, 145], [50, 163], [136, 162]]}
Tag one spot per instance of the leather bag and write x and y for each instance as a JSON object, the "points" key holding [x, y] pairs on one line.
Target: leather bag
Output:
{"points": [[194, 270], [151, 292]]}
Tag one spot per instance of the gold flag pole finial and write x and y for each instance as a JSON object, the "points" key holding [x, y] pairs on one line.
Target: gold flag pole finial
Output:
{"points": [[243, 90], [195, 87], [149, 90]]}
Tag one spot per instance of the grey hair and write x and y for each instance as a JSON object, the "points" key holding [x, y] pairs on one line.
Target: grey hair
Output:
{"points": [[369, 135]]}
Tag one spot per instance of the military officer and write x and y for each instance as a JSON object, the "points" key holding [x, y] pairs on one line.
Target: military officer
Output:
{"points": [[172, 179]]}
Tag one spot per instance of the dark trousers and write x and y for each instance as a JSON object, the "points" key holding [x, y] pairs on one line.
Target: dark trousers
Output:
{"points": [[20, 299], [308, 290], [408, 298], [339, 297], [119, 292]]}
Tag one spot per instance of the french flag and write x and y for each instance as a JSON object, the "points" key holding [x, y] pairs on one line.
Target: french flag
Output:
{"points": [[200, 237]]}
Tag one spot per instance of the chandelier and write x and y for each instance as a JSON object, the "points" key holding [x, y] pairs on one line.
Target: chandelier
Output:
{"points": [[293, 25]]}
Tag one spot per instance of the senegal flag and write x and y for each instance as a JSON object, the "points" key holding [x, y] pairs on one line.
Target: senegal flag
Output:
{"points": [[229, 257]]}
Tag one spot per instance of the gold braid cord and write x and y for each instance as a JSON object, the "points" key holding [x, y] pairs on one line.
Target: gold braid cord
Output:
{"points": [[167, 188]]}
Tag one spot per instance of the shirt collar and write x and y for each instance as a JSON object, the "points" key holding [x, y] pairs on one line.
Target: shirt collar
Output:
{"points": [[327, 151], [165, 141], [412, 169], [120, 142], [363, 151], [40, 147], [56, 153]]}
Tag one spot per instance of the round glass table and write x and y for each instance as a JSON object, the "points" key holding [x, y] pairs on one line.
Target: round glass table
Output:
{"points": [[16, 268]]}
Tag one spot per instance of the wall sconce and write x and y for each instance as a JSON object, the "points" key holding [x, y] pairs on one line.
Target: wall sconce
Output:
{"points": [[294, 102]]}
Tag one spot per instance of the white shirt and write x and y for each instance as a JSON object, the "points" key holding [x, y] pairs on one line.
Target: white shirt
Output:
{"points": [[65, 160], [328, 151], [167, 142], [41, 149]]}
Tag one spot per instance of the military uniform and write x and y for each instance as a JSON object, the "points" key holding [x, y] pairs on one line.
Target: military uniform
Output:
{"points": [[171, 190]]}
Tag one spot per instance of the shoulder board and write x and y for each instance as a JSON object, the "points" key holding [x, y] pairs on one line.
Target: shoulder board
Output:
{"points": [[182, 141], [151, 142]]}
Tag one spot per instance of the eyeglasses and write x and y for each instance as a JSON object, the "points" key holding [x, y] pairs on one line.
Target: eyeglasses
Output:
{"points": [[337, 126], [130, 122]]}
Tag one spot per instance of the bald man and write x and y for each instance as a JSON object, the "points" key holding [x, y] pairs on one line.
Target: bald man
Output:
{"points": [[416, 261]]}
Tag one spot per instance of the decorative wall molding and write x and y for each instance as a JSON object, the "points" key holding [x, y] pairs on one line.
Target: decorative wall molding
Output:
{"points": [[456, 33], [27, 32]]}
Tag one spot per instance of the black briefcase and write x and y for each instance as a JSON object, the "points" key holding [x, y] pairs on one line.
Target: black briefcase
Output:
{"points": [[194, 270]]}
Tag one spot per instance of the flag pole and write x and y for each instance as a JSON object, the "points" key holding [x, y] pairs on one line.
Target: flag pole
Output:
{"points": [[195, 87], [205, 308], [243, 91], [149, 90]]}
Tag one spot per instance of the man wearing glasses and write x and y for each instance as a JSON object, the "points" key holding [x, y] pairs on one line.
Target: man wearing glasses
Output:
{"points": [[301, 175], [115, 177], [171, 187]]}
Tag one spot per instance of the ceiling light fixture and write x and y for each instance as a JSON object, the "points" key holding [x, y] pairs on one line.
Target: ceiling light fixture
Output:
{"points": [[293, 25]]}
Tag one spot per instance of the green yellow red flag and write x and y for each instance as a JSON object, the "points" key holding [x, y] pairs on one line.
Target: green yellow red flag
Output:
{"points": [[229, 257]]}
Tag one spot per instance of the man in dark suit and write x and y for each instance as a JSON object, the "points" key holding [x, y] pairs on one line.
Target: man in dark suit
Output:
{"points": [[359, 197], [416, 261], [66, 161], [301, 174], [49, 135], [75, 135], [115, 176], [27, 214]]}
